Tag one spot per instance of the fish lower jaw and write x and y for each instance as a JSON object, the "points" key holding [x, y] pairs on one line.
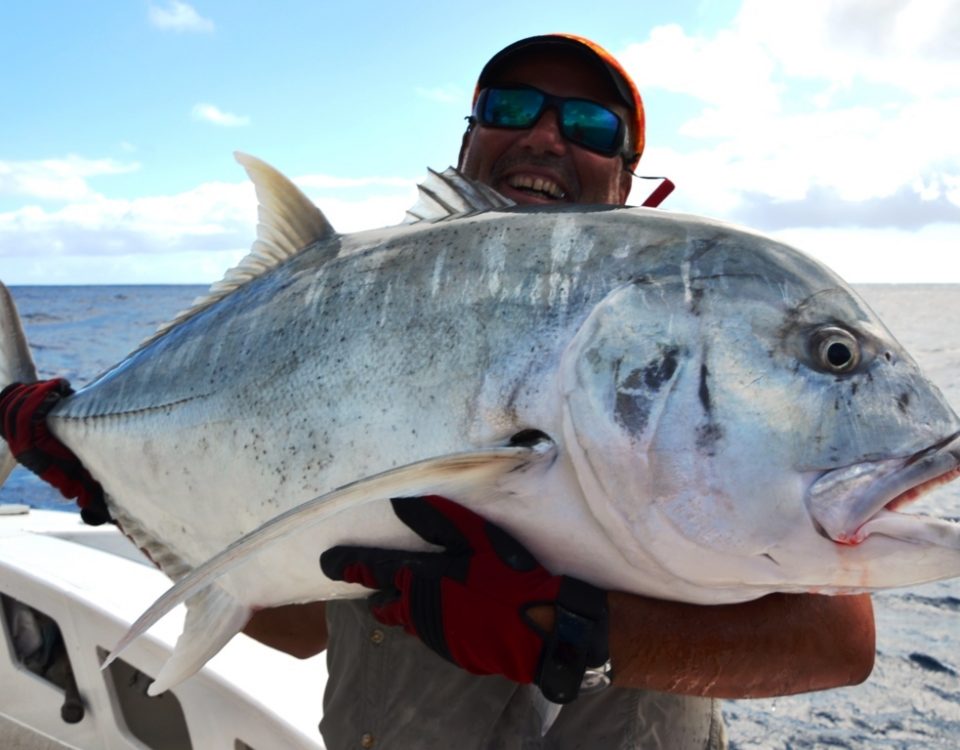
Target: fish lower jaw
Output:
{"points": [[889, 518], [914, 493]]}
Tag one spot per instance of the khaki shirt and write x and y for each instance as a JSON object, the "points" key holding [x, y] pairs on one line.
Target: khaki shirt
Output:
{"points": [[387, 690]]}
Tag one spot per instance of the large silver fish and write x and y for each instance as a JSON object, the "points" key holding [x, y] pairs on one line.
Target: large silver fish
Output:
{"points": [[656, 403]]}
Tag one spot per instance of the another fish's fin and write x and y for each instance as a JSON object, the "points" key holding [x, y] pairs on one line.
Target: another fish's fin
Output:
{"points": [[454, 475], [289, 222], [16, 364], [448, 194], [213, 618]]}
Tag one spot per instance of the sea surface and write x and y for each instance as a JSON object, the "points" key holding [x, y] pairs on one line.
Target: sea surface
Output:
{"points": [[912, 699]]}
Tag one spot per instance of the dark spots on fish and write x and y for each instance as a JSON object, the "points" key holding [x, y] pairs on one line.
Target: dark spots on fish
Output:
{"points": [[632, 411], [696, 298], [657, 372], [854, 387], [704, 391], [641, 280], [931, 664], [708, 435], [903, 401], [636, 392]]}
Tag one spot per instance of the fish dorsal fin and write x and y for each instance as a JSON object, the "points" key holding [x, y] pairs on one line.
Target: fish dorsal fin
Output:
{"points": [[449, 194], [288, 222]]}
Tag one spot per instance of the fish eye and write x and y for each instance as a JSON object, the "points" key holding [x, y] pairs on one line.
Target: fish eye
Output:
{"points": [[835, 350]]}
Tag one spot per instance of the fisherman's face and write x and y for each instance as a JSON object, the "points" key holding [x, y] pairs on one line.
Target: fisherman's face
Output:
{"points": [[538, 165]]}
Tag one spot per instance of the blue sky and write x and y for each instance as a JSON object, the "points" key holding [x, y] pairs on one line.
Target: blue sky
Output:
{"points": [[831, 125]]}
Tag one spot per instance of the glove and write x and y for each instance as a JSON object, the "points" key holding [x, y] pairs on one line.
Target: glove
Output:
{"points": [[470, 603], [23, 424]]}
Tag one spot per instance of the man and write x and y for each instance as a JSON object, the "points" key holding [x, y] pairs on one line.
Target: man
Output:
{"points": [[387, 689]]}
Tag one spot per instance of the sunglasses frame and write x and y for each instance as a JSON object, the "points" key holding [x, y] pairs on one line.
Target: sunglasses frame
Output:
{"points": [[556, 103]]}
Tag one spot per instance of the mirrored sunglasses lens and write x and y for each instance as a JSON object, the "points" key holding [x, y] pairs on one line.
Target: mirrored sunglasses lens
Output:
{"points": [[511, 108], [591, 125]]}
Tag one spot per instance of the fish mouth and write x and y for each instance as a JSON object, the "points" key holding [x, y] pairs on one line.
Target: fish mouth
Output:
{"points": [[854, 502]]}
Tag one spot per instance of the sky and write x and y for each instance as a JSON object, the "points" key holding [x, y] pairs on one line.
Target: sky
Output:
{"points": [[829, 124]]}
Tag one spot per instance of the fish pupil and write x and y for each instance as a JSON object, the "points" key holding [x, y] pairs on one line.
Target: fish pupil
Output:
{"points": [[839, 355]]}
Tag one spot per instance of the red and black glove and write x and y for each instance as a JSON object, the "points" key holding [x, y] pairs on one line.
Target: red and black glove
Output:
{"points": [[23, 424], [470, 602]]}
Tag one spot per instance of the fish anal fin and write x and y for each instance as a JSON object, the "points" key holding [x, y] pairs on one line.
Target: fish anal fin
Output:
{"points": [[453, 474], [213, 618]]}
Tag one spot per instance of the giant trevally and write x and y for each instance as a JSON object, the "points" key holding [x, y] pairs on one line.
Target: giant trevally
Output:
{"points": [[656, 403]]}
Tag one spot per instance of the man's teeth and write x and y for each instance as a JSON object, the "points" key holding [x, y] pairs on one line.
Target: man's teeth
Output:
{"points": [[537, 184]]}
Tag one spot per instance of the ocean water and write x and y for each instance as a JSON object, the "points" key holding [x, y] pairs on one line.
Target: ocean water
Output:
{"points": [[912, 699]]}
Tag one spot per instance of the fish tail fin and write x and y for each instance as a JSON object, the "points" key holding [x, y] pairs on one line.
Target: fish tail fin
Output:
{"points": [[16, 363], [213, 618]]}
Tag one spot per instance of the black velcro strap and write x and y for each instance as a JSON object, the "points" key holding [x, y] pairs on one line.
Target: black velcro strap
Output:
{"points": [[426, 612], [579, 639], [36, 460]]}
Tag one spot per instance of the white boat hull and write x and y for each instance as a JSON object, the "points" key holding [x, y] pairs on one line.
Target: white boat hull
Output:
{"points": [[93, 583]]}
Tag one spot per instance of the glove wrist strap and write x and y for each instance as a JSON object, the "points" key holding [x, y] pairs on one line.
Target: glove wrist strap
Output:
{"points": [[578, 641]]}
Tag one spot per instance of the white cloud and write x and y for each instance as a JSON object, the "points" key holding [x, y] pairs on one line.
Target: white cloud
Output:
{"points": [[63, 179], [910, 44], [178, 16], [883, 256], [849, 101], [726, 70], [190, 237], [211, 113], [211, 216]]}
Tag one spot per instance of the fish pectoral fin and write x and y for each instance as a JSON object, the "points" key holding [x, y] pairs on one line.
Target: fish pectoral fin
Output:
{"points": [[213, 618], [457, 475]]}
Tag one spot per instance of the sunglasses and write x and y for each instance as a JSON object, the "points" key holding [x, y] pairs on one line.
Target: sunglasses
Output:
{"points": [[582, 121]]}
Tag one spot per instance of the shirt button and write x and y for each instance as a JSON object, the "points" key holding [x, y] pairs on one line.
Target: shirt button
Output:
{"points": [[367, 740], [377, 637]]}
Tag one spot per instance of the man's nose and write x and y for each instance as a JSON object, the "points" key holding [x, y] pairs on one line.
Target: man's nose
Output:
{"points": [[545, 136]]}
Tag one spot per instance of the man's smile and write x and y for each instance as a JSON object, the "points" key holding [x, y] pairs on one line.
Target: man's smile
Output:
{"points": [[537, 185]]}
